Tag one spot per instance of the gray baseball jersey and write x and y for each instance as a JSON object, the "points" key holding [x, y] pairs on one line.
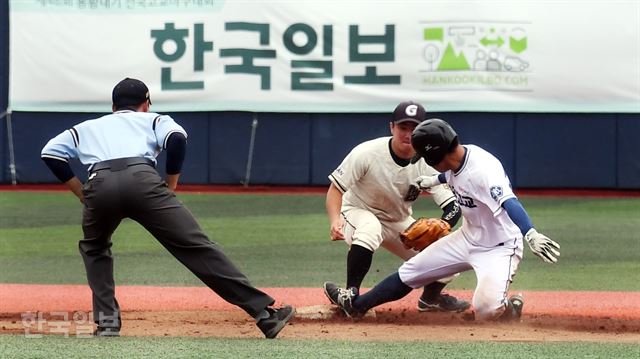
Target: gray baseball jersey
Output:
{"points": [[370, 179]]}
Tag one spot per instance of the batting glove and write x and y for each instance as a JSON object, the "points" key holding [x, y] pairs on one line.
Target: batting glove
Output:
{"points": [[426, 182], [542, 246], [422, 183]]}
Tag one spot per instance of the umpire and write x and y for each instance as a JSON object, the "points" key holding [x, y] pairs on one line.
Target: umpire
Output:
{"points": [[120, 149]]}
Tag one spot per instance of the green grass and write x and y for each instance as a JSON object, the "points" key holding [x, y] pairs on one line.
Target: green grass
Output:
{"points": [[282, 241], [132, 347]]}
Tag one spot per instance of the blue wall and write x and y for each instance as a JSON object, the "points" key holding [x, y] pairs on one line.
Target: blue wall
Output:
{"points": [[4, 85], [628, 151], [567, 150], [4, 158], [537, 150]]}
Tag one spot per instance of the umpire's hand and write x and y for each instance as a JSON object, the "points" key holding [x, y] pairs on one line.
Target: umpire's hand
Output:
{"points": [[172, 181]]}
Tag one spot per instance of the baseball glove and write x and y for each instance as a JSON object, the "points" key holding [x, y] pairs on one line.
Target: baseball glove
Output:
{"points": [[423, 232]]}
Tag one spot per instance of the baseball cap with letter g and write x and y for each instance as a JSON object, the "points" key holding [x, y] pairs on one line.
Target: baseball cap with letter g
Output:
{"points": [[409, 111], [129, 92]]}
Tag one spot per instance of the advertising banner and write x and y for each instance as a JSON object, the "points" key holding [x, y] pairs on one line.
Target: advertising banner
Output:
{"points": [[328, 56]]}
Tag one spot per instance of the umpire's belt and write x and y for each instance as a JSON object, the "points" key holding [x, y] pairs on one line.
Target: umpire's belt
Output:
{"points": [[120, 164]]}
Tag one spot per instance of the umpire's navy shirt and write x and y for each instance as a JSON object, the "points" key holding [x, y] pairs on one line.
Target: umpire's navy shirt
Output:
{"points": [[117, 135]]}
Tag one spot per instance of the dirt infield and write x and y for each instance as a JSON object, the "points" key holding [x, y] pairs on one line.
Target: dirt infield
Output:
{"points": [[196, 311]]}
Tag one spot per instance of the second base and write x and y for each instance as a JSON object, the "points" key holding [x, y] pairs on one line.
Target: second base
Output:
{"points": [[325, 311]]}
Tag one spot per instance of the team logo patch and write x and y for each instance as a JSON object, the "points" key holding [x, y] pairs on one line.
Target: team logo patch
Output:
{"points": [[496, 192], [411, 110]]}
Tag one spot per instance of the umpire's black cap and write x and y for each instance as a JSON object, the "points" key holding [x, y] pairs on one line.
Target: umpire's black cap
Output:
{"points": [[409, 111], [130, 92], [432, 140]]}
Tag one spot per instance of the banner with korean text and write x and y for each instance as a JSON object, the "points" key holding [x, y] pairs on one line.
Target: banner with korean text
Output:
{"points": [[327, 56]]}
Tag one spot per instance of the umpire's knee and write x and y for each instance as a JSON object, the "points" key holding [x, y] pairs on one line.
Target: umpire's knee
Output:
{"points": [[93, 247]]}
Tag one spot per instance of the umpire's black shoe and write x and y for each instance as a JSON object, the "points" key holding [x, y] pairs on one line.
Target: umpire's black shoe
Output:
{"points": [[278, 318], [106, 332]]}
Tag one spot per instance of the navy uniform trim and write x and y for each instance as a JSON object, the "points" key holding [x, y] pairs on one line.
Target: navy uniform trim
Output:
{"points": [[44, 155], [344, 216], [465, 159], [166, 138], [76, 137], [509, 277], [340, 186], [155, 121], [399, 161]]}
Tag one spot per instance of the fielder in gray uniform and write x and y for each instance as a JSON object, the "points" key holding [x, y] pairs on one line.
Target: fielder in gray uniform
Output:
{"points": [[120, 149], [370, 199], [489, 242]]}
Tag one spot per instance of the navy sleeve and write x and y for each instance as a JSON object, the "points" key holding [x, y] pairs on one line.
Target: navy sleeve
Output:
{"points": [[176, 150], [60, 168], [442, 178], [518, 215], [451, 213]]}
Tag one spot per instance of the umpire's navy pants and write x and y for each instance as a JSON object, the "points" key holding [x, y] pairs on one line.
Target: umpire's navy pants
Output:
{"points": [[137, 192]]}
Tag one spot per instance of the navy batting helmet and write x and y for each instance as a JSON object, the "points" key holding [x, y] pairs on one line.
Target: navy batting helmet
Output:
{"points": [[432, 139]]}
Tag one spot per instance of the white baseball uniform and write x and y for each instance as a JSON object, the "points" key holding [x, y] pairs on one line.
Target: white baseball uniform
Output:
{"points": [[487, 242], [374, 186]]}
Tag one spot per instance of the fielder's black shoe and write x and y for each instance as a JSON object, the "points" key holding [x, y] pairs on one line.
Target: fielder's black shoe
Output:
{"points": [[443, 303], [106, 332], [278, 318], [343, 298]]}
